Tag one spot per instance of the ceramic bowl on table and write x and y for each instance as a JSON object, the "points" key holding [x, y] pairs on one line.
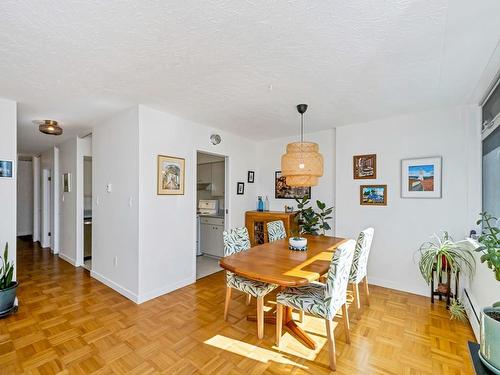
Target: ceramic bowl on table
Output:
{"points": [[297, 243]]}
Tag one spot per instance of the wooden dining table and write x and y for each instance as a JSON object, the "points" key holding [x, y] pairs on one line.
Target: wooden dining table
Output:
{"points": [[275, 263]]}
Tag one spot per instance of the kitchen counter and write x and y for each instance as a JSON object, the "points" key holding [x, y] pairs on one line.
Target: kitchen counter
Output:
{"points": [[216, 216]]}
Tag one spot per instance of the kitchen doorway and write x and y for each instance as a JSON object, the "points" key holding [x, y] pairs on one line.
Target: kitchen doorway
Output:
{"points": [[87, 212], [211, 209]]}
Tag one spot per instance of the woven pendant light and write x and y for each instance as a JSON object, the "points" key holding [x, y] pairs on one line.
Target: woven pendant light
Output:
{"points": [[302, 164]]}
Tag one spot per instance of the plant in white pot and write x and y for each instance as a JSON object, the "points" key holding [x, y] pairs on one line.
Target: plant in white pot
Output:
{"points": [[310, 222], [489, 241], [7, 286]]}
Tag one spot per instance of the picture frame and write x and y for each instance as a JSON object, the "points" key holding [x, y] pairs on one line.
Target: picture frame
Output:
{"points": [[6, 168], [66, 182], [170, 175], [421, 177], [364, 167], [283, 191], [373, 195], [240, 188], [251, 177]]}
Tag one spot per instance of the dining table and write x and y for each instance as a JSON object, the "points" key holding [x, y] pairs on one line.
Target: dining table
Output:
{"points": [[275, 263]]}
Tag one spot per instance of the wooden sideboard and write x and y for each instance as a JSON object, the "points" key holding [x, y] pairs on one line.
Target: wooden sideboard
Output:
{"points": [[256, 223]]}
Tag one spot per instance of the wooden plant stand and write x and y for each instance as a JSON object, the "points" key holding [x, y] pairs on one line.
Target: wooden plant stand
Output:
{"points": [[444, 289]]}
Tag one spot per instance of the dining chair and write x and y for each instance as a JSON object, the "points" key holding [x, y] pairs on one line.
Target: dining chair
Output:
{"points": [[322, 300], [276, 230], [360, 265], [235, 241]]}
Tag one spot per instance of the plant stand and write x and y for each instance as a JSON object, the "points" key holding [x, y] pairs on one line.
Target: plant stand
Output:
{"points": [[444, 289]]}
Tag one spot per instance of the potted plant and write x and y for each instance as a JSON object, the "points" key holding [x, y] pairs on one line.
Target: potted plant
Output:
{"points": [[7, 286], [311, 221], [489, 241]]}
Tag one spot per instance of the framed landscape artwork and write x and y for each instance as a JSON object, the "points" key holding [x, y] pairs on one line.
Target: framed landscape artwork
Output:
{"points": [[171, 171], [283, 191], [421, 178], [364, 166], [373, 195], [5, 168]]}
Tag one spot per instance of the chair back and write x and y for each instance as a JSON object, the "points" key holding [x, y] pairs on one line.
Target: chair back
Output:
{"points": [[236, 240], [361, 253], [276, 230], [338, 277]]}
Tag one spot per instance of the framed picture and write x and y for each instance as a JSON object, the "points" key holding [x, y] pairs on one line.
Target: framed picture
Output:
{"points": [[251, 177], [421, 178], [67, 182], [373, 195], [283, 191], [171, 175], [364, 166], [5, 168], [240, 188]]}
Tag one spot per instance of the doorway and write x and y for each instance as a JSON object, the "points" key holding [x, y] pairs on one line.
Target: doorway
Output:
{"points": [[211, 209], [46, 222], [87, 212]]}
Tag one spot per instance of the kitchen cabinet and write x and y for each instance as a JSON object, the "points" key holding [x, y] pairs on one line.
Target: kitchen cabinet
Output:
{"points": [[204, 173], [211, 241], [218, 185]]}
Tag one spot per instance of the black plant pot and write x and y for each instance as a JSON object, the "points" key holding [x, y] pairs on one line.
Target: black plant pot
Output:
{"points": [[8, 296]]}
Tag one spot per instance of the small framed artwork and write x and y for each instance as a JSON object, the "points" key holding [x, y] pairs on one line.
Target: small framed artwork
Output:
{"points": [[421, 178], [373, 195], [67, 182], [284, 191], [6, 168], [364, 166], [240, 188], [171, 175], [251, 177]]}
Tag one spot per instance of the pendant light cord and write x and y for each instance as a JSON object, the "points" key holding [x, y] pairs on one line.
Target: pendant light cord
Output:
{"points": [[301, 128]]}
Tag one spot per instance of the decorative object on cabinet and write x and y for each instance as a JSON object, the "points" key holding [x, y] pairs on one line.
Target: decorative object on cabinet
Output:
{"points": [[251, 177], [170, 175], [5, 168], [302, 164], [421, 178], [284, 191], [67, 182], [373, 195], [240, 188], [364, 166], [288, 208], [215, 139], [260, 204], [256, 223]]}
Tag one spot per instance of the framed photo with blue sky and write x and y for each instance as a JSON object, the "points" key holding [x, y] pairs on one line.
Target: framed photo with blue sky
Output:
{"points": [[421, 178], [6, 168]]}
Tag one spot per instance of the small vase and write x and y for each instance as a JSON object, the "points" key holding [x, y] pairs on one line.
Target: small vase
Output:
{"points": [[298, 243]]}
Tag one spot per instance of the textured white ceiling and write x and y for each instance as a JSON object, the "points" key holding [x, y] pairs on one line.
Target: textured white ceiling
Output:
{"points": [[215, 62]]}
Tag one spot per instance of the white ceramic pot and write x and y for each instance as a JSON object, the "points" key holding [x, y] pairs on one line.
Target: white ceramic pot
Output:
{"points": [[298, 242], [490, 339]]}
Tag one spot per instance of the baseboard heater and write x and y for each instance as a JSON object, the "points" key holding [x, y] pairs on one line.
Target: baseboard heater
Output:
{"points": [[472, 313]]}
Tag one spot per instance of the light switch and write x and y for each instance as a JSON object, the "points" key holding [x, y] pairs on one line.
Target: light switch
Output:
{"points": [[108, 188], [130, 202], [97, 201]]}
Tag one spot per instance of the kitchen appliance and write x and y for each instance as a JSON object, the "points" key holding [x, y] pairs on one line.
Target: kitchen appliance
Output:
{"points": [[206, 207]]}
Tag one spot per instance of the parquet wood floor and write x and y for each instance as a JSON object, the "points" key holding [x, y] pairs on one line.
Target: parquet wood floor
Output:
{"points": [[69, 323]]}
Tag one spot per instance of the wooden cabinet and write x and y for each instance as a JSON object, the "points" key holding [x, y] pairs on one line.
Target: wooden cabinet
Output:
{"points": [[256, 223], [218, 173], [211, 241], [204, 173]]}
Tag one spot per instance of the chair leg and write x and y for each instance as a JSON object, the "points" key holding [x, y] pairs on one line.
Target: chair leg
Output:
{"points": [[331, 344], [260, 317], [228, 299], [355, 292], [301, 316], [367, 291], [249, 299], [279, 323], [345, 316]]}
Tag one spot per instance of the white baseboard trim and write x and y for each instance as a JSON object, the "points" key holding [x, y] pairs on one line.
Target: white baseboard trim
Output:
{"points": [[396, 286], [27, 233], [164, 290], [67, 259], [472, 309], [123, 291]]}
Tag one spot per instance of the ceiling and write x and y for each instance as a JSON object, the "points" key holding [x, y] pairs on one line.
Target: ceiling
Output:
{"points": [[241, 66]]}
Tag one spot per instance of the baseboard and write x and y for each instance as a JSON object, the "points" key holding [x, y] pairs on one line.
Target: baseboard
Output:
{"points": [[472, 310], [164, 290], [421, 291], [67, 259], [123, 291]]}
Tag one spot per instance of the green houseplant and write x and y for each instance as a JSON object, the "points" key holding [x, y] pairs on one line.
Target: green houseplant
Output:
{"points": [[7, 286], [311, 221]]}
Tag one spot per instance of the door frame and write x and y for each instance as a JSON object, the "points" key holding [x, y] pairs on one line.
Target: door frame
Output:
{"points": [[46, 208]]}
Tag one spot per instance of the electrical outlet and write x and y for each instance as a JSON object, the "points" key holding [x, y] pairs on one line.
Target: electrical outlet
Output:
{"points": [[115, 262]]}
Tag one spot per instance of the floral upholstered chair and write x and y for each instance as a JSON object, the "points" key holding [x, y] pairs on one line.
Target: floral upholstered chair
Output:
{"points": [[360, 265], [235, 241], [322, 300], [276, 230]]}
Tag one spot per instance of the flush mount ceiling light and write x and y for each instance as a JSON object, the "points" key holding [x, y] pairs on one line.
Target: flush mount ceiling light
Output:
{"points": [[50, 127], [302, 164]]}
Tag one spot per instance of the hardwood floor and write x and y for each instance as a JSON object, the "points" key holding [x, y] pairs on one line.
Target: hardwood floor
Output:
{"points": [[69, 323]]}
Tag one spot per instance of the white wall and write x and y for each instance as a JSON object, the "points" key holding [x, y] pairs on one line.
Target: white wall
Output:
{"points": [[115, 225], [8, 151], [24, 197], [404, 224], [269, 161], [167, 223]]}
